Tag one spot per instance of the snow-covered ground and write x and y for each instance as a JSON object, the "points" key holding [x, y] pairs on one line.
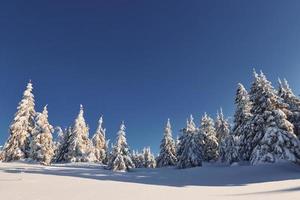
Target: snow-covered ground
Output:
{"points": [[90, 181]]}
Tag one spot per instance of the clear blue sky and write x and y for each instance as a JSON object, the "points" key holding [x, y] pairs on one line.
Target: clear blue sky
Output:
{"points": [[141, 61]]}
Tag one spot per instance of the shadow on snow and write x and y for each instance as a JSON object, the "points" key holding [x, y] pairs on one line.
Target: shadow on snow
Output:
{"points": [[208, 175]]}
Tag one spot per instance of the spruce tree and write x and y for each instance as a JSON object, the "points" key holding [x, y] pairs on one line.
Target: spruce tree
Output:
{"points": [[222, 126], [61, 154], [293, 102], [149, 158], [120, 158], [41, 146], [273, 138], [80, 148], [167, 155], [229, 153], [58, 140], [17, 145], [99, 142], [138, 159], [243, 129], [242, 111], [211, 142], [190, 147], [227, 146]]}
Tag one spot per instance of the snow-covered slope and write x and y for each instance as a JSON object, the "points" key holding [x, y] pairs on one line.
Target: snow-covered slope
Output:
{"points": [[90, 181]]}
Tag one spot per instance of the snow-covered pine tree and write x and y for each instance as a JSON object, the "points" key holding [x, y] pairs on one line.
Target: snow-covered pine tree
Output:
{"points": [[231, 154], [138, 159], [242, 111], [227, 147], [99, 142], [211, 146], [17, 145], [243, 129], [149, 158], [61, 154], [134, 158], [293, 102], [167, 155], [248, 131], [120, 158], [190, 148], [41, 145], [58, 140], [273, 138], [80, 147], [222, 126]]}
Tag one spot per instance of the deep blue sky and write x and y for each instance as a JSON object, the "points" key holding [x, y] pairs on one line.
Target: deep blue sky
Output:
{"points": [[141, 61]]}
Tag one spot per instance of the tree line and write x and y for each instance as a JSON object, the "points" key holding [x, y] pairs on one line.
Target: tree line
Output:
{"points": [[265, 129]]}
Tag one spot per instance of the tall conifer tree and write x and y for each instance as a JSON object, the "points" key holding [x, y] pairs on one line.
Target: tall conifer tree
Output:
{"points": [[18, 144]]}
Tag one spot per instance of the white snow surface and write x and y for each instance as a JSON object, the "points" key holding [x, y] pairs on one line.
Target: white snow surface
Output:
{"points": [[88, 181]]}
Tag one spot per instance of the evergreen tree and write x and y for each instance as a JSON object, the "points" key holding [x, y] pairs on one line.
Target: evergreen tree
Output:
{"points": [[190, 147], [80, 148], [229, 153], [99, 142], [62, 149], [293, 102], [120, 158], [227, 146], [243, 110], [58, 140], [41, 146], [167, 155], [149, 158], [211, 142], [222, 126], [138, 159], [273, 137], [17, 145], [243, 129]]}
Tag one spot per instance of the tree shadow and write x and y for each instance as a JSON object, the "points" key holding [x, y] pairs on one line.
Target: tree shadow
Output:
{"points": [[280, 191], [208, 175]]}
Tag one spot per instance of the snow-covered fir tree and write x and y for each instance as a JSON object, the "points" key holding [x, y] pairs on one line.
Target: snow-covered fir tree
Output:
{"points": [[227, 148], [138, 159], [167, 155], [99, 142], [273, 138], [61, 153], [211, 146], [222, 126], [80, 148], [293, 102], [249, 139], [243, 129], [230, 151], [17, 145], [41, 146], [145, 159], [242, 111], [58, 139], [190, 148], [120, 158], [149, 158]]}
